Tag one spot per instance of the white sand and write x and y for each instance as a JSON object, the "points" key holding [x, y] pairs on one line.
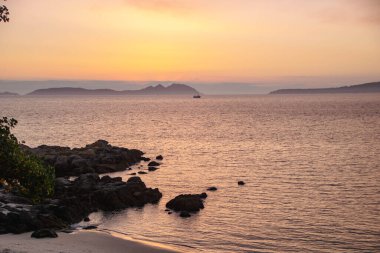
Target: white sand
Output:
{"points": [[79, 242]]}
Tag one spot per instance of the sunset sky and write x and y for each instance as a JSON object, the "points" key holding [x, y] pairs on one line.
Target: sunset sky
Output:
{"points": [[326, 41]]}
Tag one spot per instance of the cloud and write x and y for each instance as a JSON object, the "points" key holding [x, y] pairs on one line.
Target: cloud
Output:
{"points": [[358, 11], [372, 10]]}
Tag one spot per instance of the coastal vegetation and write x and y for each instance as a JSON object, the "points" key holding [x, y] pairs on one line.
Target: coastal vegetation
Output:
{"points": [[22, 171]]}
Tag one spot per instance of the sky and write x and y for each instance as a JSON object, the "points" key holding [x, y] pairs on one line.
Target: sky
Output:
{"points": [[265, 42]]}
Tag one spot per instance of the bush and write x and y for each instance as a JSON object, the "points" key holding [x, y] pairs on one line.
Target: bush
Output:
{"points": [[22, 171]]}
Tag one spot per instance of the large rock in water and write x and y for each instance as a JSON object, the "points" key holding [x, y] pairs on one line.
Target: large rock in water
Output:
{"points": [[187, 202], [98, 157]]}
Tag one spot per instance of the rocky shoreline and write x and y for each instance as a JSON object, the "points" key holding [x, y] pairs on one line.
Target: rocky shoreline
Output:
{"points": [[80, 190], [75, 199]]}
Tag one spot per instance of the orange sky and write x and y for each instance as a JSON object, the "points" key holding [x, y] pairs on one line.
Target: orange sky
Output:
{"points": [[190, 40]]}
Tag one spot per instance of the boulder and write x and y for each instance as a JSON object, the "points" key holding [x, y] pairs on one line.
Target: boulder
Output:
{"points": [[159, 157], [241, 183], [185, 214], [152, 168], [203, 195], [212, 188], [80, 163], [86, 182], [186, 202], [98, 144], [44, 233], [91, 227], [99, 157], [153, 164]]}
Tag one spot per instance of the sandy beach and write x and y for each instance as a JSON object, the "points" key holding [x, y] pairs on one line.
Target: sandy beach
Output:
{"points": [[79, 242]]}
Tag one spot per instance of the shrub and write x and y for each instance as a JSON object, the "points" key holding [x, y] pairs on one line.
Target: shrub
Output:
{"points": [[20, 170]]}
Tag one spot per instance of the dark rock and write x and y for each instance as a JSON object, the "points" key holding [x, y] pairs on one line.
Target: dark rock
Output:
{"points": [[74, 200], [159, 157], [133, 174], [44, 233], [134, 180], [153, 164], [212, 188], [98, 144], [86, 182], [203, 195], [241, 183], [108, 179], [90, 227], [80, 163], [186, 202], [167, 210], [142, 172], [170, 212], [185, 214], [152, 168], [99, 157], [145, 159], [86, 219]]}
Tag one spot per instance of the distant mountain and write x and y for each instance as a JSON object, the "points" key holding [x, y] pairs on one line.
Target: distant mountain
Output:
{"points": [[360, 88], [8, 94], [173, 89]]}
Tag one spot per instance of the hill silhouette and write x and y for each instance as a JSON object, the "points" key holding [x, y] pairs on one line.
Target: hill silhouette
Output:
{"points": [[173, 89], [359, 88]]}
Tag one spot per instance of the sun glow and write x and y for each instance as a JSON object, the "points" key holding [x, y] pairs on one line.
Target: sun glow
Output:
{"points": [[186, 40]]}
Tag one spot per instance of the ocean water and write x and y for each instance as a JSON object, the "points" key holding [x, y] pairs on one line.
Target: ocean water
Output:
{"points": [[311, 164]]}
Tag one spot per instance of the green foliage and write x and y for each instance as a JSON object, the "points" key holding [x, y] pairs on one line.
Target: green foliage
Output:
{"points": [[22, 171]]}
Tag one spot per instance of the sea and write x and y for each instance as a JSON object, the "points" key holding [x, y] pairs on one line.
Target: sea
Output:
{"points": [[311, 164]]}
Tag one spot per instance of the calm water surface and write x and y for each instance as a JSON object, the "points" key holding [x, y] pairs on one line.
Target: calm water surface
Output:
{"points": [[311, 165]]}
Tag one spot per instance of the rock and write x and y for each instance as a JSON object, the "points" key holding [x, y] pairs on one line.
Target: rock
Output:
{"points": [[203, 195], [241, 183], [90, 227], [98, 144], [108, 179], [185, 214], [153, 164], [86, 219], [212, 188], [74, 200], [86, 182], [170, 212], [142, 172], [145, 159], [80, 163], [186, 202], [88, 153], [99, 157], [44, 233], [167, 210], [152, 168], [159, 157], [133, 174]]}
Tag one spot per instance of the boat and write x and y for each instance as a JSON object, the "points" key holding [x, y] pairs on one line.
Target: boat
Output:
{"points": [[197, 96]]}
